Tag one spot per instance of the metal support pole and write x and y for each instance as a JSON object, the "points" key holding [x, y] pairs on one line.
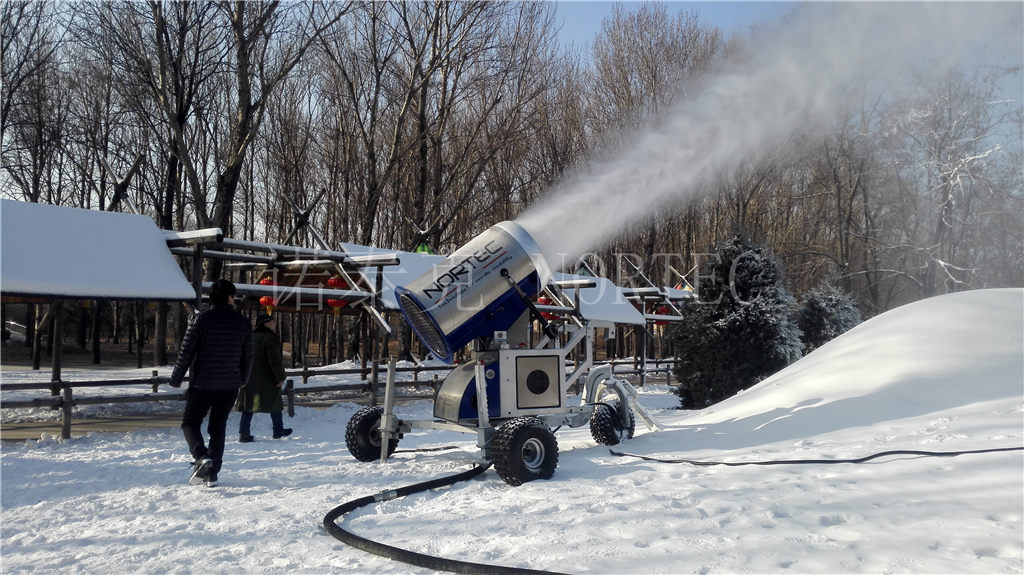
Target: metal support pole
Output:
{"points": [[483, 420], [387, 420], [364, 345]]}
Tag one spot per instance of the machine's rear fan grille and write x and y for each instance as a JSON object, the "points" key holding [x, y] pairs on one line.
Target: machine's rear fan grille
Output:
{"points": [[423, 327]]}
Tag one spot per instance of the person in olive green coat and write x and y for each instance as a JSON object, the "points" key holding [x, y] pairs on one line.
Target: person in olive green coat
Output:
{"points": [[263, 392]]}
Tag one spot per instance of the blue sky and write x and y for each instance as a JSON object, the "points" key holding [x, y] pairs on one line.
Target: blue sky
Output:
{"points": [[581, 20]]}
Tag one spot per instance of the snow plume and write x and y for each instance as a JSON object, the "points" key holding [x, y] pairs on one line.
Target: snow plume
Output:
{"points": [[783, 83]]}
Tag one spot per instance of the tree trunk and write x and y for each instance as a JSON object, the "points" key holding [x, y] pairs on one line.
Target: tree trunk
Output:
{"points": [[227, 186], [160, 335], [94, 332], [342, 329], [116, 321], [81, 319]]}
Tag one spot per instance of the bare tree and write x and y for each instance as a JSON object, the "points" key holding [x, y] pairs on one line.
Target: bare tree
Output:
{"points": [[643, 59], [485, 95], [33, 144], [29, 39], [944, 146], [269, 40], [377, 92]]}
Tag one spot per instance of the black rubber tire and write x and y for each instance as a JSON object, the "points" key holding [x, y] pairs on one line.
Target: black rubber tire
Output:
{"points": [[362, 435], [523, 450], [606, 427]]}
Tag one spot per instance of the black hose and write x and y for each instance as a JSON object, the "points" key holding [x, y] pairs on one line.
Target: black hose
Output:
{"points": [[817, 461], [411, 557], [454, 566], [429, 449]]}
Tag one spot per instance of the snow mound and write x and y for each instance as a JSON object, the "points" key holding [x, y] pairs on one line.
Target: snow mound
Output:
{"points": [[956, 352]]}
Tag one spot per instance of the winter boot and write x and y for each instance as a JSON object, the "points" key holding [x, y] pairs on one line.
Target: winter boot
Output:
{"points": [[204, 468]]}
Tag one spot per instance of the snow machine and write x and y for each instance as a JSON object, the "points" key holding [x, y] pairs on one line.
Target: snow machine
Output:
{"points": [[514, 390]]}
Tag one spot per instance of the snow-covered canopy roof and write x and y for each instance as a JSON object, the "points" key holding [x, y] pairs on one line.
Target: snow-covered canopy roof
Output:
{"points": [[605, 304], [53, 251], [411, 266]]}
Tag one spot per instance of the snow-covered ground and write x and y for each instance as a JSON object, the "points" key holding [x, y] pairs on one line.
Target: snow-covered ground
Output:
{"points": [[945, 374]]}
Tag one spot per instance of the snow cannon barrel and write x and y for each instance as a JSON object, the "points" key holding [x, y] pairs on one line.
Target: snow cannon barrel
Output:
{"points": [[470, 294]]}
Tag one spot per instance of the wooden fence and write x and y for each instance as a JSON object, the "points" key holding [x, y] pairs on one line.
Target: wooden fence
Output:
{"points": [[62, 393]]}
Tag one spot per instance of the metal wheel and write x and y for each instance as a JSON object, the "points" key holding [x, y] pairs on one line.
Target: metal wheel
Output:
{"points": [[612, 420], [532, 454], [606, 426], [362, 435], [524, 449]]}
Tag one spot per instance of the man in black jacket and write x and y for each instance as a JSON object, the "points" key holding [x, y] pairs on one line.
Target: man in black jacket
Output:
{"points": [[217, 352]]}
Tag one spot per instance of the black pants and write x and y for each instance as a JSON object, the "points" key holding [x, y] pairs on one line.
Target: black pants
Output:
{"points": [[199, 402]]}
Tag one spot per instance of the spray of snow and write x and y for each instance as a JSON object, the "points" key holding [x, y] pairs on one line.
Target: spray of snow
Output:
{"points": [[784, 83]]}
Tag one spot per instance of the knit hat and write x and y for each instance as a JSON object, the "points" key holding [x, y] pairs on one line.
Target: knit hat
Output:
{"points": [[263, 318]]}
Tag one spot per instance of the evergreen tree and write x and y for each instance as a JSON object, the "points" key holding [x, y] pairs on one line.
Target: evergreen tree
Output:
{"points": [[825, 313], [740, 331]]}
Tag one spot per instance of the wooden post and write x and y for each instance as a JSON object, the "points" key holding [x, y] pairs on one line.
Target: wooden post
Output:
{"points": [[140, 331], [643, 357], [291, 337], [37, 340], [156, 384], [65, 421], [289, 390], [325, 335], [374, 381], [58, 345], [300, 338], [342, 352], [131, 327]]}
